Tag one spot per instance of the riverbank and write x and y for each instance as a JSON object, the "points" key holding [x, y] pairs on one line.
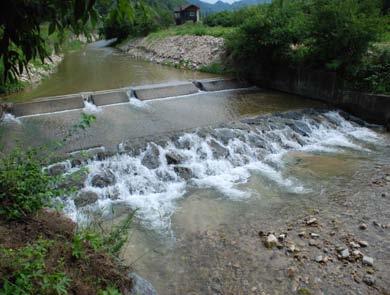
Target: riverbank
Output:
{"points": [[184, 51], [44, 253]]}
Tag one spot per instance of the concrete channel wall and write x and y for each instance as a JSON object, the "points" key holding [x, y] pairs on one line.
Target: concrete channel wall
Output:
{"points": [[114, 96], [326, 87]]}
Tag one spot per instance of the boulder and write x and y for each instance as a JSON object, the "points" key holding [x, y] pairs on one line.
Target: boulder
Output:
{"points": [[57, 169], [140, 286], [173, 158], [103, 180], [183, 172], [85, 198], [75, 180], [151, 158], [219, 151]]}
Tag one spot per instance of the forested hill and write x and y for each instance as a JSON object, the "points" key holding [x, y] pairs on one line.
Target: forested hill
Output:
{"points": [[207, 8]]}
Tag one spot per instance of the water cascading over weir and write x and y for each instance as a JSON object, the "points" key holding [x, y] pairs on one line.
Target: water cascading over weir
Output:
{"points": [[152, 144]]}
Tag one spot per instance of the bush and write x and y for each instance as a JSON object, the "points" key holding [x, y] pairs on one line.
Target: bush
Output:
{"points": [[24, 186], [265, 39], [319, 34], [27, 272], [373, 75]]}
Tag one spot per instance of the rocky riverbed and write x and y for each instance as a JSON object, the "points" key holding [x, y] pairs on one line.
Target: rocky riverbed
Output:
{"points": [[193, 52], [339, 244]]}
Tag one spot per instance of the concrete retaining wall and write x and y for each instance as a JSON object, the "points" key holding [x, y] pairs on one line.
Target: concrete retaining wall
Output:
{"points": [[56, 104], [372, 107], [325, 86], [220, 84], [164, 90], [109, 97]]}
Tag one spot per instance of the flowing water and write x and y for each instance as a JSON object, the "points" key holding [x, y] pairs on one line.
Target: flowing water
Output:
{"points": [[98, 67], [204, 167]]}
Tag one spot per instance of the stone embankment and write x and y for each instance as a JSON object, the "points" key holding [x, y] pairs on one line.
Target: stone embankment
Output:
{"points": [[193, 52], [35, 73]]}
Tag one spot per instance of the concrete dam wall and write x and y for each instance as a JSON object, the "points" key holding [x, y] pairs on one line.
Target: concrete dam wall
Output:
{"points": [[115, 96]]}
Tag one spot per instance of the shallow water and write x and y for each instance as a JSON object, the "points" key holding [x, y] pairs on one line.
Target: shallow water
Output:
{"points": [[97, 67]]}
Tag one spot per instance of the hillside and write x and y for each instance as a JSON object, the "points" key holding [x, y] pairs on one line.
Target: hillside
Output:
{"points": [[207, 8]]}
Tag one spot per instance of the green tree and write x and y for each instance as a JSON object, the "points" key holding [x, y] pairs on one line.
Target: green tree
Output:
{"points": [[21, 38]]}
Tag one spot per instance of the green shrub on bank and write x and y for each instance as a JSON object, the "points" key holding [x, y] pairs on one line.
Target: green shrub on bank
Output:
{"points": [[24, 186], [27, 272], [373, 74], [318, 34]]}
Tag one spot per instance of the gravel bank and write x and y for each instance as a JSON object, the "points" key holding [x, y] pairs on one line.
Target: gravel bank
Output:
{"points": [[193, 52]]}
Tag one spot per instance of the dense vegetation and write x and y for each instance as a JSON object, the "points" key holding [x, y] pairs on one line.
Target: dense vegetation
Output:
{"points": [[136, 18], [331, 35]]}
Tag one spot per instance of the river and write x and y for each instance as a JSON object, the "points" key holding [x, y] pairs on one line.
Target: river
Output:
{"points": [[207, 172], [99, 67]]}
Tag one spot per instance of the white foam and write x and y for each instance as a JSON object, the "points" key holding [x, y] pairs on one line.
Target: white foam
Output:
{"points": [[90, 108], [222, 160], [9, 118]]}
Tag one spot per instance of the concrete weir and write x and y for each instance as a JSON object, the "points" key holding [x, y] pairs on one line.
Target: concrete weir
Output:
{"points": [[115, 96], [220, 84], [48, 105], [101, 98], [164, 90]]}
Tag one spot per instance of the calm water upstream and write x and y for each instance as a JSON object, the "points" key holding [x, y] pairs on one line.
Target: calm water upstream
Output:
{"points": [[97, 67]]}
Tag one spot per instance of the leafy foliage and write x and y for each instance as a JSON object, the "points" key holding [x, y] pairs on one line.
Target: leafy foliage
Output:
{"points": [[321, 34], [373, 74], [21, 37], [98, 239], [27, 272], [24, 186]]}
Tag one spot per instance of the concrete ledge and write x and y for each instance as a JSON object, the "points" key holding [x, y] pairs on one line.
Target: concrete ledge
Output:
{"points": [[49, 105], [164, 90], [371, 107], [220, 84], [101, 98]]}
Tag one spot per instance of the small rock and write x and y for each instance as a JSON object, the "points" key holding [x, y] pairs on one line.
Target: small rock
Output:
{"points": [[314, 236], [319, 259], [302, 234], [344, 254], [312, 221], [363, 243], [57, 169], [354, 245], [313, 243], [173, 159], [85, 198], [292, 271], [183, 172], [141, 286], [368, 261], [357, 253], [282, 237], [271, 241], [376, 223], [363, 226], [292, 248], [103, 180], [369, 280]]}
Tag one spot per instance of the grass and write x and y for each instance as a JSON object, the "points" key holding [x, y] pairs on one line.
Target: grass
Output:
{"points": [[216, 68], [197, 29]]}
